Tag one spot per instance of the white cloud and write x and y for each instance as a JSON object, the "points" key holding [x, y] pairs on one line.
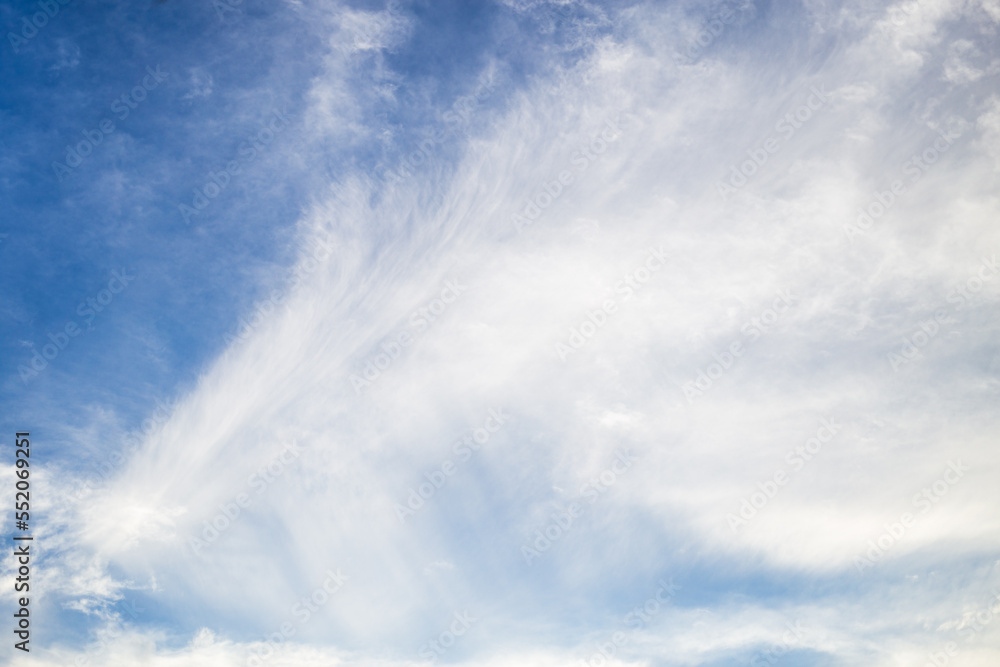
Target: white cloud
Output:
{"points": [[200, 83]]}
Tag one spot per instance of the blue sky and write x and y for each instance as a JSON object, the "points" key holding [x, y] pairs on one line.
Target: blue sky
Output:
{"points": [[355, 302]]}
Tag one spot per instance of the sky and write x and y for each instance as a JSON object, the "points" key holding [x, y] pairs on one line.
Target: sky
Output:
{"points": [[502, 332]]}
